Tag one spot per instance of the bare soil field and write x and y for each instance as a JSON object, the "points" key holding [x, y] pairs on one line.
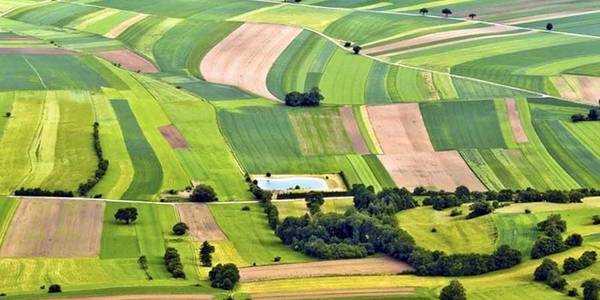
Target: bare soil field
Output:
{"points": [[36, 51], [364, 266], [434, 38], [117, 30], [129, 60], [201, 222], [408, 154], [244, 58], [373, 293], [173, 136], [589, 88], [54, 228], [358, 143], [515, 122]]}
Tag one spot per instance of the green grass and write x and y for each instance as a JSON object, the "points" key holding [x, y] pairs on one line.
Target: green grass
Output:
{"points": [[148, 174], [7, 210], [407, 85], [56, 14], [320, 132], [313, 18], [297, 208], [250, 234], [143, 35], [462, 125], [345, 78]]}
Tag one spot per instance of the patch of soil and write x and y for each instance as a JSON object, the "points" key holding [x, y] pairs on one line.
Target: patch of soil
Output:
{"points": [[515, 122], [353, 131], [129, 60], [201, 222], [372, 293], [173, 136]]}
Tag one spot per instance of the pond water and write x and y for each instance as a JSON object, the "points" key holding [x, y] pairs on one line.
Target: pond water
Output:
{"points": [[280, 184]]}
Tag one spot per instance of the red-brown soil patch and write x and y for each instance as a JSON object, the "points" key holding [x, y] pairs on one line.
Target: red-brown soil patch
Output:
{"points": [[36, 51], [372, 293], [244, 58], [515, 122], [364, 266], [54, 228], [589, 89], [201, 222], [353, 131], [408, 154], [173, 136], [129, 60]]}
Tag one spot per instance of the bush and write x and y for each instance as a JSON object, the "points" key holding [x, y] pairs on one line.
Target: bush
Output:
{"points": [[596, 220], [206, 251], [54, 288], [453, 291], [126, 214], [38, 192], [590, 289], [246, 208], [555, 281], [527, 211], [572, 265], [310, 98], [574, 240], [180, 228], [224, 276], [553, 225], [480, 209], [573, 293], [101, 168], [547, 245], [542, 272], [203, 193], [173, 263]]}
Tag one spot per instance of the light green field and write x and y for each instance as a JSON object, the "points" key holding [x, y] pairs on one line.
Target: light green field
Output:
{"points": [[297, 208]]}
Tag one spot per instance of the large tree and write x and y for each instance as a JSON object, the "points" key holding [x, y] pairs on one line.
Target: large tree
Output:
{"points": [[224, 276], [314, 200], [453, 291], [127, 215], [203, 193]]}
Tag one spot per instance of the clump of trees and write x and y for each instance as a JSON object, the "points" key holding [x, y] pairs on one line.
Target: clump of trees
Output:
{"points": [[356, 49], [549, 273], [126, 215], [596, 219], [173, 263], [453, 291], [203, 193], [54, 288], [446, 12], [224, 276], [38, 192], [480, 208], [180, 228], [102, 166], [572, 265], [591, 116], [311, 98], [423, 11], [383, 204], [590, 289], [550, 241], [206, 251], [314, 201]]}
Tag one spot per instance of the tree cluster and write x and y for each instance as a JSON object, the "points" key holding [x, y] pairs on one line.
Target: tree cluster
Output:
{"points": [[593, 115], [173, 263], [203, 193], [550, 241], [206, 251], [383, 204], [572, 265], [314, 201], [591, 287], [224, 276], [180, 228], [126, 214], [264, 197], [462, 195], [37, 192], [310, 98], [101, 168], [480, 208], [453, 291]]}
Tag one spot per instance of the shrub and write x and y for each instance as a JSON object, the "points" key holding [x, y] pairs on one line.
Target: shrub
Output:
{"points": [[480, 209], [54, 288], [173, 263], [555, 281], [456, 212], [570, 265], [433, 229], [527, 211], [590, 289], [224, 276], [206, 251], [596, 220], [126, 214], [246, 208], [356, 49], [573, 293], [547, 245], [574, 240], [553, 225], [203, 193], [542, 272], [311, 98], [453, 291], [180, 228]]}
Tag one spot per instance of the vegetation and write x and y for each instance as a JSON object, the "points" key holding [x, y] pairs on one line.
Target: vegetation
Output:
{"points": [[173, 263], [206, 251], [180, 228], [453, 291], [224, 276], [203, 193], [310, 98], [127, 215]]}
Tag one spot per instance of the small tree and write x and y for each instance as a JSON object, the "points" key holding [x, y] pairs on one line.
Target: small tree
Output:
{"points": [[596, 220], [472, 16], [206, 251], [224, 276], [570, 265], [446, 12], [590, 289], [54, 288], [203, 193], [180, 228], [424, 11], [356, 49], [314, 201], [549, 26], [542, 271], [453, 291], [127, 215], [8, 114], [574, 240]]}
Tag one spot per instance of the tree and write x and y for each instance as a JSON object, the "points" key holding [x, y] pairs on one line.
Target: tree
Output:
{"points": [[424, 11], [54, 288], [590, 289], [479, 209], [224, 276], [143, 262], [206, 251], [453, 291], [446, 12], [578, 118], [472, 16], [574, 240], [549, 26], [570, 265], [127, 214], [294, 99], [505, 257], [593, 114], [314, 200], [311, 98], [203, 193], [547, 245], [555, 281], [596, 219], [180, 228], [8, 114], [542, 271], [356, 49], [462, 192], [553, 225]]}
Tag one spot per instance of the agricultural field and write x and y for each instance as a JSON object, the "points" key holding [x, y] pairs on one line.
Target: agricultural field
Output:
{"points": [[114, 104]]}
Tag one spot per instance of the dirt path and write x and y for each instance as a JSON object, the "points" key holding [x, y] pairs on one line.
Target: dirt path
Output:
{"points": [[244, 58], [129, 60], [198, 217], [364, 266], [408, 154], [54, 228], [515, 122], [349, 121]]}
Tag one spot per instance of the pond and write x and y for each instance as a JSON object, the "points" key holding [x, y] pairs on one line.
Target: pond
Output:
{"points": [[290, 183]]}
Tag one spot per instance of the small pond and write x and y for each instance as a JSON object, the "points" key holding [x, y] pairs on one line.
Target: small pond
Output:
{"points": [[290, 183]]}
